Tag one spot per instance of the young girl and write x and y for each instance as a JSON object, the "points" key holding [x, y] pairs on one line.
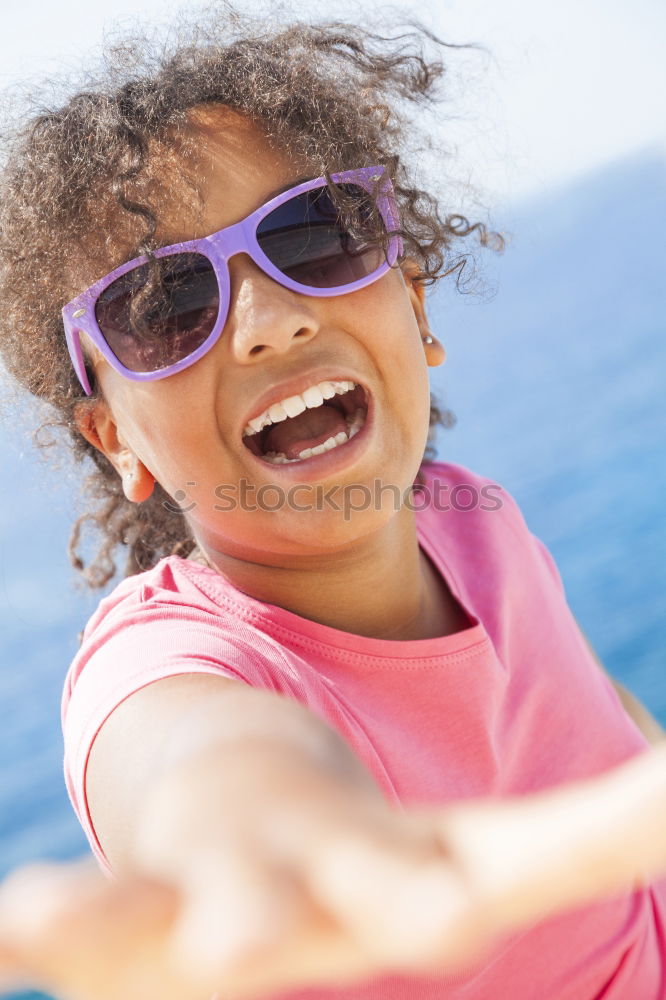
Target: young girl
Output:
{"points": [[215, 271]]}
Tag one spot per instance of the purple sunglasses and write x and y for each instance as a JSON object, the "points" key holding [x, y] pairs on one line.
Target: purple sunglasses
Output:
{"points": [[296, 238]]}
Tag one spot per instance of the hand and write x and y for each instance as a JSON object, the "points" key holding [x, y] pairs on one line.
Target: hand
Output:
{"points": [[331, 884], [67, 930], [316, 879], [319, 880]]}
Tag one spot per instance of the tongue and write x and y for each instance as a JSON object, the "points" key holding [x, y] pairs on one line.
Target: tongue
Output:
{"points": [[307, 430]]}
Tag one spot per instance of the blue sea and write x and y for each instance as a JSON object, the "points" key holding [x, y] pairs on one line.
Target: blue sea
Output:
{"points": [[556, 373]]}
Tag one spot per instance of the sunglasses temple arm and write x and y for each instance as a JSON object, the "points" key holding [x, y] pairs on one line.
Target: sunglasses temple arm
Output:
{"points": [[73, 338], [389, 210]]}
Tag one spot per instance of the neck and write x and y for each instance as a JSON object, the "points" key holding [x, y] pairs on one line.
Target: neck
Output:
{"points": [[385, 588]]}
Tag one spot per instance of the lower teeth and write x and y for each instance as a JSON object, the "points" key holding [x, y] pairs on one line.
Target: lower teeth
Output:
{"points": [[354, 425]]}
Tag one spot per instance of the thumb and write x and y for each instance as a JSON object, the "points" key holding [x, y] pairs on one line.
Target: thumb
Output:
{"points": [[31, 897], [233, 908], [62, 923]]}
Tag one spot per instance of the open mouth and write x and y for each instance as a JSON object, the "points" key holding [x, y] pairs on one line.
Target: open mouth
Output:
{"points": [[324, 417]]}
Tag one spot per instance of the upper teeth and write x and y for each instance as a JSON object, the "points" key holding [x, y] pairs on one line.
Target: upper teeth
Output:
{"points": [[313, 396]]}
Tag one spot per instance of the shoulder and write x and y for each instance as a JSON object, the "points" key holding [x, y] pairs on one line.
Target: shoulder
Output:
{"points": [[451, 488], [478, 520], [174, 591], [168, 620], [166, 581]]}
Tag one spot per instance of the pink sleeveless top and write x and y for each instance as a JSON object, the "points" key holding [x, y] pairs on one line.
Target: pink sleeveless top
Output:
{"points": [[512, 704]]}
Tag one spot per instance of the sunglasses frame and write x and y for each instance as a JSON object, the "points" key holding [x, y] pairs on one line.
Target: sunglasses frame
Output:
{"points": [[79, 314]]}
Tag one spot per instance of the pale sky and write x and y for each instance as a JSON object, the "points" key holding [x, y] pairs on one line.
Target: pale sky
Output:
{"points": [[568, 86]]}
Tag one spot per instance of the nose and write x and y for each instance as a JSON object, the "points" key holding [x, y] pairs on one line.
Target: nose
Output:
{"points": [[264, 317]]}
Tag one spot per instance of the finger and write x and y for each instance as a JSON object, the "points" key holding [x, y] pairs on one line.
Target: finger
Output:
{"points": [[32, 900], [235, 907], [12, 974], [253, 927], [77, 934], [407, 911], [319, 953], [387, 877]]}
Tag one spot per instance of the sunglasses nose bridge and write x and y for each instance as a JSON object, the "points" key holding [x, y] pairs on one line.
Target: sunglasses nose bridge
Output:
{"points": [[232, 240]]}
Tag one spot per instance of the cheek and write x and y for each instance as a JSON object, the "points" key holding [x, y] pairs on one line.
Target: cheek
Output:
{"points": [[385, 319], [398, 338], [156, 430], [386, 322]]}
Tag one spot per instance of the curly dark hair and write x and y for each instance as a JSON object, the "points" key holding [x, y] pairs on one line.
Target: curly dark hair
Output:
{"points": [[76, 194]]}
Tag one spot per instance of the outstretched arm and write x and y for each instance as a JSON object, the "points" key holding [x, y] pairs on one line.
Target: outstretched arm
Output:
{"points": [[265, 864]]}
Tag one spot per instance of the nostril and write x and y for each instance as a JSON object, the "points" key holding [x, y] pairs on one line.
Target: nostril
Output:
{"points": [[302, 332]]}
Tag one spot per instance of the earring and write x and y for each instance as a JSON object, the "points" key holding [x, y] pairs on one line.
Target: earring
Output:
{"points": [[137, 484], [428, 339]]}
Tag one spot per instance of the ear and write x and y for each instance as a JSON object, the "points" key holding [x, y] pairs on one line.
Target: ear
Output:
{"points": [[434, 350], [95, 422]]}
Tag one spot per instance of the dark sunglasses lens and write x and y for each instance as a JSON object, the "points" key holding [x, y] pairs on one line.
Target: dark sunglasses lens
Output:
{"points": [[161, 312], [306, 239]]}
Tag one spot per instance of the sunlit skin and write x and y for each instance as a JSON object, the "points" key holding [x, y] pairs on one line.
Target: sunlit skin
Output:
{"points": [[364, 574]]}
